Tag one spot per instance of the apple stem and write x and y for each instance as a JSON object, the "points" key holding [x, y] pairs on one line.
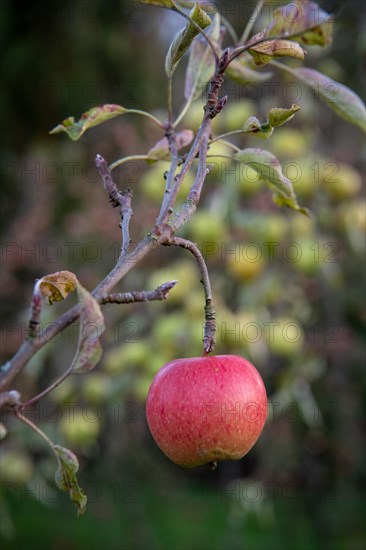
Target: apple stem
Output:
{"points": [[209, 334]]}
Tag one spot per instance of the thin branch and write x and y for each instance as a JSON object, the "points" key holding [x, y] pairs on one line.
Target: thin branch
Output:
{"points": [[148, 115], [253, 18], [126, 215], [170, 99], [221, 156], [209, 335], [219, 138], [227, 134], [38, 431], [178, 180], [171, 137], [183, 112], [160, 293], [252, 43], [115, 196], [187, 210], [35, 313], [130, 158], [51, 387]]}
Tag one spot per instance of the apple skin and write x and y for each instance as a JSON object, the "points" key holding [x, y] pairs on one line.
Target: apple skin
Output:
{"points": [[204, 409]]}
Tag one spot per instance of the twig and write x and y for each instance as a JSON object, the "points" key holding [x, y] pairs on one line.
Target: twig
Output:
{"points": [[117, 198], [130, 158], [148, 115], [171, 137], [35, 314], [38, 431], [209, 335], [160, 293], [126, 215]]}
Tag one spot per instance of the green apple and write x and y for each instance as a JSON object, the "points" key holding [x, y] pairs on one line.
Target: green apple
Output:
{"points": [[15, 466], [206, 227], [128, 355], [80, 427], [289, 143], [300, 226], [96, 387], [272, 228], [343, 183], [304, 175], [309, 255], [284, 336], [243, 269]]}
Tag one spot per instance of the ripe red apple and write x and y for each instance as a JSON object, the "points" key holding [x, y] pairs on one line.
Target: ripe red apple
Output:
{"points": [[204, 409]]}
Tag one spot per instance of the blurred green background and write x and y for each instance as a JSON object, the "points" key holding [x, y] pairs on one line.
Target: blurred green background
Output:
{"points": [[288, 292]]}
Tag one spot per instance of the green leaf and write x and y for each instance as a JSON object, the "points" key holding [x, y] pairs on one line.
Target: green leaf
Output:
{"points": [[264, 52], [341, 99], [277, 116], [65, 477], [184, 38], [161, 3], [240, 72], [91, 118], [201, 64], [160, 151], [269, 169], [299, 16], [57, 286], [254, 127], [89, 350]]}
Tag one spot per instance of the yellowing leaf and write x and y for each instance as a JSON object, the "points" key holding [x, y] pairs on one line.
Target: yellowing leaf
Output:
{"points": [[91, 118], [89, 350], [65, 477], [341, 99], [185, 37], [57, 286], [265, 51], [269, 169], [298, 16], [254, 127], [276, 117]]}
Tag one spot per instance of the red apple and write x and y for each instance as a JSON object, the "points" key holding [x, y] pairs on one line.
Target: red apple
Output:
{"points": [[204, 409]]}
